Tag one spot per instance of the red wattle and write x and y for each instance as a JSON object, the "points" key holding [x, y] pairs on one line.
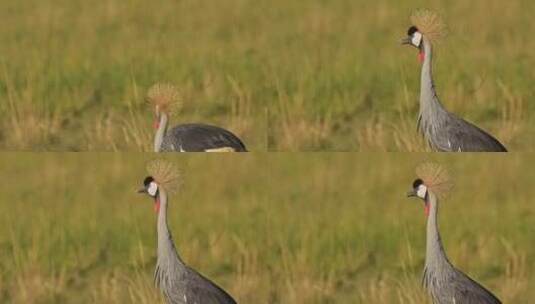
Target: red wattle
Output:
{"points": [[156, 124], [421, 56], [426, 209], [157, 206]]}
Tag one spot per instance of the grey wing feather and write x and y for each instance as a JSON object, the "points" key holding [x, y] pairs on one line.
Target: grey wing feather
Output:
{"points": [[461, 135], [203, 291], [468, 291], [199, 138]]}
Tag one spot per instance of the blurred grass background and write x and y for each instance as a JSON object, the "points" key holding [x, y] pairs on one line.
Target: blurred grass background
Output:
{"points": [[269, 228], [284, 75]]}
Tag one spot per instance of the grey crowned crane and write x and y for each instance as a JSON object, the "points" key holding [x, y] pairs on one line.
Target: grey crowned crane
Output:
{"points": [[179, 283], [444, 283], [190, 137], [444, 131]]}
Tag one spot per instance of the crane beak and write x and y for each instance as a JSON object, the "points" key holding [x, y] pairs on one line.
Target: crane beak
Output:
{"points": [[406, 40], [411, 193], [142, 190]]}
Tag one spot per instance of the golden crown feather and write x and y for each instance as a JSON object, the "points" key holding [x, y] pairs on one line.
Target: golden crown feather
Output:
{"points": [[165, 97], [429, 23], [165, 174], [436, 178]]}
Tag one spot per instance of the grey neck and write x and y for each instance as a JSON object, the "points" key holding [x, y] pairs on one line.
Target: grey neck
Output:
{"points": [[431, 110], [435, 257], [160, 133], [167, 254]]}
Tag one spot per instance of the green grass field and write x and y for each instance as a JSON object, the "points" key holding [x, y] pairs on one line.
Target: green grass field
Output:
{"points": [[284, 75], [269, 228]]}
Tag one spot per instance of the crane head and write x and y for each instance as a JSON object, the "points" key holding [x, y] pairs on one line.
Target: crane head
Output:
{"points": [[426, 24], [151, 188], [165, 99], [414, 37], [431, 177], [419, 189], [163, 178]]}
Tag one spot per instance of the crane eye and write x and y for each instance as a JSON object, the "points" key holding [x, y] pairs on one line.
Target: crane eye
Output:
{"points": [[152, 189]]}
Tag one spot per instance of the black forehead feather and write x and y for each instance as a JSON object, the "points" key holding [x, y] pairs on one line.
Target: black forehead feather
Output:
{"points": [[148, 180], [412, 30], [417, 183]]}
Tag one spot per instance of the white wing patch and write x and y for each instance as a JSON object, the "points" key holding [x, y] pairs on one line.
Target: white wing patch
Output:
{"points": [[222, 149]]}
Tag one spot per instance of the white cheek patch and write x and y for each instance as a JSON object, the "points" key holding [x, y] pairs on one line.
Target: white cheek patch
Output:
{"points": [[421, 191], [152, 189], [416, 39]]}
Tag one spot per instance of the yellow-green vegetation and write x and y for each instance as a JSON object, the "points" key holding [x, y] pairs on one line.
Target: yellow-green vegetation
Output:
{"points": [[269, 228], [283, 75]]}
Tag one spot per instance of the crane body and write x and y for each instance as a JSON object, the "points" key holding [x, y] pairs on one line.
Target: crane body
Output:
{"points": [[444, 283], [190, 137], [179, 283], [444, 131]]}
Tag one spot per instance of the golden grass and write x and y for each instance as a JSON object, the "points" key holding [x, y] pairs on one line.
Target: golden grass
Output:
{"points": [[301, 133], [28, 125], [512, 114]]}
